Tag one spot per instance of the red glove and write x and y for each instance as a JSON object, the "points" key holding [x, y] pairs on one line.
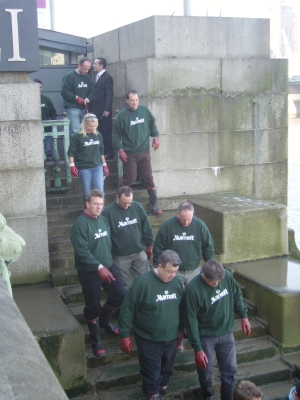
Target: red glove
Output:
{"points": [[155, 143], [180, 338], [105, 275], [246, 327], [105, 170], [126, 345], [122, 155], [149, 251], [74, 171], [201, 359], [80, 101]]}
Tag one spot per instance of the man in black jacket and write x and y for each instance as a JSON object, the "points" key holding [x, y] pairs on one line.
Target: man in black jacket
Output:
{"points": [[102, 104]]}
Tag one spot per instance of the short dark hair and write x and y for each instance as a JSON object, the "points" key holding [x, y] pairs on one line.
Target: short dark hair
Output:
{"points": [[246, 390], [102, 61], [131, 92], [83, 60], [124, 190], [213, 270], [186, 205], [94, 193], [169, 256], [38, 81]]}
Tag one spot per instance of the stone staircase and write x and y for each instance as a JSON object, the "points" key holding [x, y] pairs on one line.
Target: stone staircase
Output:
{"points": [[117, 375]]}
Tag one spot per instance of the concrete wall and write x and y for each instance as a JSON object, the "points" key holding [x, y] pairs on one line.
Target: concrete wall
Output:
{"points": [[22, 177], [220, 102]]}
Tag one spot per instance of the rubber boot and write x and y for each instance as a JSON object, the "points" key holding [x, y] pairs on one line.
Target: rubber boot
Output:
{"points": [[226, 391], [105, 317], [95, 336], [207, 390], [153, 202]]}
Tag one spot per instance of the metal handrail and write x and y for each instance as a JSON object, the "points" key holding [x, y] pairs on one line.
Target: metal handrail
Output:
{"points": [[60, 128]]}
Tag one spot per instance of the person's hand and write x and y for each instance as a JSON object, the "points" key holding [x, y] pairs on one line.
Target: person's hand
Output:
{"points": [[105, 170], [149, 251], [179, 338], [155, 143], [80, 101], [86, 100], [105, 275], [201, 359], [126, 345], [122, 155], [246, 327], [74, 171], [106, 114]]}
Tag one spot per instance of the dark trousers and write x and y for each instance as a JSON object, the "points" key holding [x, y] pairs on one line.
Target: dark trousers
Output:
{"points": [[135, 161], [91, 290], [156, 363], [105, 128]]}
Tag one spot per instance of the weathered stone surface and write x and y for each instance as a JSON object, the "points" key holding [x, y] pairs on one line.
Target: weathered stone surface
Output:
{"points": [[58, 333], [27, 375]]}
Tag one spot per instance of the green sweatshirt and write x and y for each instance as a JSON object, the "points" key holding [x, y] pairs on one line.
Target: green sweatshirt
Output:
{"points": [[132, 129], [152, 307], [87, 150], [192, 242], [131, 231], [74, 84], [209, 310], [91, 242], [48, 111]]}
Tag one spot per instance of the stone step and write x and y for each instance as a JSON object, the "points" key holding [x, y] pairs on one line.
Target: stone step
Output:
{"points": [[63, 277], [59, 244], [106, 380], [63, 259]]}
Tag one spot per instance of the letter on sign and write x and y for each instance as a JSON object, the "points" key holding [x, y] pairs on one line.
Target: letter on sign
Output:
{"points": [[15, 34]]}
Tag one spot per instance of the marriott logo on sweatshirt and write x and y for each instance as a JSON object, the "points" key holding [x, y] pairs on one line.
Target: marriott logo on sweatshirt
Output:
{"points": [[137, 121], [166, 296], [82, 84], [100, 234], [91, 142], [183, 237], [127, 222], [219, 295]]}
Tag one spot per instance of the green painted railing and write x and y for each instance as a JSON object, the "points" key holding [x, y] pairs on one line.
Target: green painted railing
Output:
{"points": [[56, 179]]}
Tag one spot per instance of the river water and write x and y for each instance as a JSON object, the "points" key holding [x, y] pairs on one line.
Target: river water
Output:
{"points": [[294, 177]]}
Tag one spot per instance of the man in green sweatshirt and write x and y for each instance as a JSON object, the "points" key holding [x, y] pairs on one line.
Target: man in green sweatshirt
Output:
{"points": [[130, 137], [189, 237], [131, 235], [90, 237], [153, 307], [211, 299], [77, 91]]}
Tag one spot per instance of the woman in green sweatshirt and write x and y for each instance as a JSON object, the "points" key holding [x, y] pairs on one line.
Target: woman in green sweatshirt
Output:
{"points": [[86, 156]]}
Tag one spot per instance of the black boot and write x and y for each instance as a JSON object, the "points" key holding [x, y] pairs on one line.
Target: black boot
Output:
{"points": [[226, 391], [105, 317], [95, 336], [153, 202], [207, 390]]}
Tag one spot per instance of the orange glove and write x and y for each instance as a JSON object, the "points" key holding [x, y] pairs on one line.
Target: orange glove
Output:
{"points": [[105, 275], [105, 170], [155, 143], [246, 327], [80, 101], [149, 251], [74, 170], [122, 155], [201, 359], [126, 345]]}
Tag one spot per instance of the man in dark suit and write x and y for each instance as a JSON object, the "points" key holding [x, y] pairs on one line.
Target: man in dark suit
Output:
{"points": [[102, 104]]}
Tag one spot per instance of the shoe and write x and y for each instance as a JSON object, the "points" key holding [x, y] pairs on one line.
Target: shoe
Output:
{"points": [[180, 347], [49, 159], [163, 390], [154, 397]]}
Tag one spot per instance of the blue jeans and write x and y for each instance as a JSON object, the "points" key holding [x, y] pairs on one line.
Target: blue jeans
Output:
{"points": [[91, 290], [75, 116], [48, 145], [224, 346], [91, 178], [156, 361]]}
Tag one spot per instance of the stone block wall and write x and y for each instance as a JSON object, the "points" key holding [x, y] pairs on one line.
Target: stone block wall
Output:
{"points": [[22, 177], [220, 102]]}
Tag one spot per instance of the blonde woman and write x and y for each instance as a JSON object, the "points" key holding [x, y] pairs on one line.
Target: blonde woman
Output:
{"points": [[86, 156]]}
